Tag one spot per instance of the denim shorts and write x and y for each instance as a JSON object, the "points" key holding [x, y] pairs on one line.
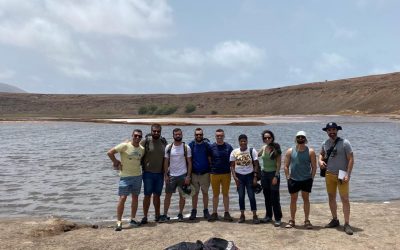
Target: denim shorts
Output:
{"points": [[153, 183], [129, 185]]}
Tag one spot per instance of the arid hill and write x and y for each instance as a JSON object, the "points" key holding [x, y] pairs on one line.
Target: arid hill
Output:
{"points": [[376, 94]]}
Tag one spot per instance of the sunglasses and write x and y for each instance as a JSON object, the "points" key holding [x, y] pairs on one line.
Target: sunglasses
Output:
{"points": [[137, 136], [301, 137], [198, 134], [156, 131]]}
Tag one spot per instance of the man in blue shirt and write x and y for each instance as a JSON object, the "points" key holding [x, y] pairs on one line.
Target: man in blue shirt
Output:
{"points": [[220, 176], [201, 158]]}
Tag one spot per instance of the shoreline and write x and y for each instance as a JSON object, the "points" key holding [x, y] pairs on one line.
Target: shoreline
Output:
{"points": [[208, 120], [374, 225]]}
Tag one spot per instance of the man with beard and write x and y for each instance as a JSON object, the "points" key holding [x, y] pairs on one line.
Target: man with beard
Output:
{"points": [[201, 157], [301, 160], [177, 171], [337, 156], [153, 178]]}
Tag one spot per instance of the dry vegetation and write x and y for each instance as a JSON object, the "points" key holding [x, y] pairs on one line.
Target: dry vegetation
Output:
{"points": [[377, 94]]}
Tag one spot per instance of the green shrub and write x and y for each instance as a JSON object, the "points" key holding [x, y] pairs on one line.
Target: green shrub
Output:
{"points": [[166, 110], [190, 108], [143, 110], [214, 112]]}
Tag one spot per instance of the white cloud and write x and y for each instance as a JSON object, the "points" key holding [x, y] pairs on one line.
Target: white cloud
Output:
{"points": [[332, 61], [131, 18], [184, 57], [236, 54]]}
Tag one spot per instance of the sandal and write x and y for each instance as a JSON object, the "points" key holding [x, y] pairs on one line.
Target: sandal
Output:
{"points": [[308, 225], [290, 224]]}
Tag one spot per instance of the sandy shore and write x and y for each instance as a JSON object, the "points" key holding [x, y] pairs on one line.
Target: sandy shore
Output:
{"points": [[375, 226]]}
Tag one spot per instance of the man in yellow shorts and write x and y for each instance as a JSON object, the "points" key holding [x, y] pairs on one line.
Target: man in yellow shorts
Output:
{"points": [[336, 157], [220, 175]]}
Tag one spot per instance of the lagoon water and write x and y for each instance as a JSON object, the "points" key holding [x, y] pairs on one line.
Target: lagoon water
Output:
{"points": [[61, 168]]}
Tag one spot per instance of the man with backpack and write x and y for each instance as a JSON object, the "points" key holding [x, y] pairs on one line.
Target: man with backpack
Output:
{"points": [[152, 163], [336, 157], [201, 157], [177, 171]]}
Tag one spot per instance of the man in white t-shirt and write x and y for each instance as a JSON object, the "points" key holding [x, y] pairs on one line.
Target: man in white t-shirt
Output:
{"points": [[244, 165], [177, 171]]}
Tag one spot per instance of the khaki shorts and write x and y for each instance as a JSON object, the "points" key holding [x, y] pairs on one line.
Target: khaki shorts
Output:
{"points": [[218, 180], [333, 183], [201, 180]]}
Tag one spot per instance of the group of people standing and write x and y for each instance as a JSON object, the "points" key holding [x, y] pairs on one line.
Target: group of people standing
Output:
{"points": [[201, 164]]}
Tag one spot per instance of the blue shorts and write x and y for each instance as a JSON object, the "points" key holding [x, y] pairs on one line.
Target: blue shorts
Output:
{"points": [[153, 183], [129, 185]]}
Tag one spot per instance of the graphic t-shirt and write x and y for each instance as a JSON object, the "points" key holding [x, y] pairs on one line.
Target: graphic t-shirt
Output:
{"points": [[242, 159], [130, 159]]}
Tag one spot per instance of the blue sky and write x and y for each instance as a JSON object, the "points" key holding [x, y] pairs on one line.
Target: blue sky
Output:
{"points": [[132, 46]]}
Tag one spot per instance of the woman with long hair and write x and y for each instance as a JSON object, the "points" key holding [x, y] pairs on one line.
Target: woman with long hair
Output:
{"points": [[270, 153]]}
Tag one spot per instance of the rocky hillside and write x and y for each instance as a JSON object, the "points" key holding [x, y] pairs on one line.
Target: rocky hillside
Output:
{"points": [[376, 94]]}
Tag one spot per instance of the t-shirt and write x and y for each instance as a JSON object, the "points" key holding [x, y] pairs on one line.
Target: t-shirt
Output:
{"points": [[200, 153], [300, 165], [154, 156], [130, 159], [242, 159], [338, 158], [177, 162], [220, 158]]}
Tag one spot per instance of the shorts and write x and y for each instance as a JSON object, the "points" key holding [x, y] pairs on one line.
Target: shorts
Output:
{"points": [[296, 186], [174, 182], [153, 183], [333, 183], [218, 180], [201, 181], [129, 185]]}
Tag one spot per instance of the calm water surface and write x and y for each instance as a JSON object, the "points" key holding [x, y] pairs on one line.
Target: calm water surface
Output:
{"points": [[61, 168]]}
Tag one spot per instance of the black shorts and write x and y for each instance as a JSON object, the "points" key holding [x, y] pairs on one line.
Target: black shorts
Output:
{"points": [[296, 186]]}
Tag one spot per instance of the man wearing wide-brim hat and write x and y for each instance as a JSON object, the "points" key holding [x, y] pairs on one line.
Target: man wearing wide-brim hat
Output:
{"points": [[336, 157]]}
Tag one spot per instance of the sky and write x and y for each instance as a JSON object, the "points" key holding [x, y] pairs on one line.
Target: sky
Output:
{"points": [[179, 46]]}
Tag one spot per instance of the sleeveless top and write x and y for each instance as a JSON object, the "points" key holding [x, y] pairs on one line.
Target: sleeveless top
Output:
{"points": [[300, 165], [268, 164]]}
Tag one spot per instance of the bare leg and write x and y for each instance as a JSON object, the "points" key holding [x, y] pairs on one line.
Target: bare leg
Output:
{"points": [[333, 204], [306, 205], [205, 200], [120, 207], [226, 202], [346, 208], [134, 205], [195, 198], [146, 205], [293, 205], [182, 202], [156, 203], [167, 202]]}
